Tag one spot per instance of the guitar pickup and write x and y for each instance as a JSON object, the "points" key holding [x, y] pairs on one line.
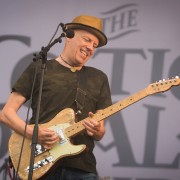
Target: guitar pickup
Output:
{"points": [[60, 132]]}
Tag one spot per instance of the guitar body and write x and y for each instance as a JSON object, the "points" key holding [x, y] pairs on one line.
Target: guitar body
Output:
{"points": [[61, 149]]}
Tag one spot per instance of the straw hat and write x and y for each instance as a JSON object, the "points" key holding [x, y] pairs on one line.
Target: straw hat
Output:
{"points": [[91, 24]]}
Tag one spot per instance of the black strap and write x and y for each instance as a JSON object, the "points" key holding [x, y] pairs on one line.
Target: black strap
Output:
{"points": [[81, 90]]}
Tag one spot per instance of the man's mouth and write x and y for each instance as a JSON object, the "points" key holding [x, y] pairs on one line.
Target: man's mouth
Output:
{"points": [[84, 52]]}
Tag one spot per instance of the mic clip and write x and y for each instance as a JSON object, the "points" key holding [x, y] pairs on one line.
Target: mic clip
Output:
{"points": [[69, 33]]}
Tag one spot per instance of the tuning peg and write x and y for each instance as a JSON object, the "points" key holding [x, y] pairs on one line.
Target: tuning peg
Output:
{"points": [[161, 82]]}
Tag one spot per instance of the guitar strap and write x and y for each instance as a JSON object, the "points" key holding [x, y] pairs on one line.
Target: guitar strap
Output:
{"points": [[81, 90]]}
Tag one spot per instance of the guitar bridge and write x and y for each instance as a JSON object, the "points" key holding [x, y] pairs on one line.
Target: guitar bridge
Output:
{"points": [[41, 163]]}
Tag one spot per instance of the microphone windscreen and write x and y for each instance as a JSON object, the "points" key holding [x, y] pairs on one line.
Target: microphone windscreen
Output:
{"points": [[69, 33]]}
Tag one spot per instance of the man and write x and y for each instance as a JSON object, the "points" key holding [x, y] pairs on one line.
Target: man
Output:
{"points": [[63, 81]]}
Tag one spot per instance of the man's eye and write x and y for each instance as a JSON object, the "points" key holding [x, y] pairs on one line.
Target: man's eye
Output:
{"points": [[86, 39]]}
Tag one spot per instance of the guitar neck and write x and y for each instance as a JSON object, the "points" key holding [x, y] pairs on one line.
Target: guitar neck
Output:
{"points": [[99, 116]]}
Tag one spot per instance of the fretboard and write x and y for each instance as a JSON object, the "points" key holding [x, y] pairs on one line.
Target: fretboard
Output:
{"points": [[102, 114]]}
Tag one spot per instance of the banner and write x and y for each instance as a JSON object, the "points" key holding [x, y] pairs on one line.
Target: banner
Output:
{"points": [[142, 141]]}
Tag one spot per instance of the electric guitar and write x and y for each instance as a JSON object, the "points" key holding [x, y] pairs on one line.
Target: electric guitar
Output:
{"points": [[64, 125]]}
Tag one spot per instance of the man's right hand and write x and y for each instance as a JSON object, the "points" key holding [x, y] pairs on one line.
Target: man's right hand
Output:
{"points": [[47, 137]]}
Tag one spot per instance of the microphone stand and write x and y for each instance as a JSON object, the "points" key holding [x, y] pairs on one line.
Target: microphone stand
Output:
{"points": [[42, 55]]}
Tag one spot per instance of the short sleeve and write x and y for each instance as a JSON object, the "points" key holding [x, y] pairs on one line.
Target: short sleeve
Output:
{"points": [[24, 84]]}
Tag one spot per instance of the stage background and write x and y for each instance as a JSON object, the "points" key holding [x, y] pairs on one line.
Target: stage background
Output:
{"points": [[142, 142]]}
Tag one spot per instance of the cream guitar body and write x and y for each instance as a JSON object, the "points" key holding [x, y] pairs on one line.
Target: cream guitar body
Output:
{"points": [[45, 159]]}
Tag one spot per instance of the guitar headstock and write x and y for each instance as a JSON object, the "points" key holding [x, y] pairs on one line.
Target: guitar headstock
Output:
{"points": [[163, 85]]}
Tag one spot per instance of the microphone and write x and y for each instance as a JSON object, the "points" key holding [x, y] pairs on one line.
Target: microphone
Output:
{"points": [[68, 32]]}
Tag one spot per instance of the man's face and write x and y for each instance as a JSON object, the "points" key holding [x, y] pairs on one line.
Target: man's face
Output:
{"points": [[81, 47]]}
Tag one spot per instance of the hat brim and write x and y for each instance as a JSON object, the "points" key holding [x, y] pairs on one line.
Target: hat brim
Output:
{"points": [[100, 35]]}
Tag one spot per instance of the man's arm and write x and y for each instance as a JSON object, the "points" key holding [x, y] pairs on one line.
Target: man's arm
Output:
{"points": [[10, 118]]}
